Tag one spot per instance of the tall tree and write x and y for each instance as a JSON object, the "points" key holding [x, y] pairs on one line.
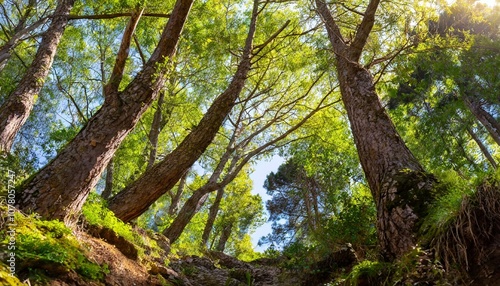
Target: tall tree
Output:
{"points": [[132, 201], [16, 109], [60, 188], [399, 185]]}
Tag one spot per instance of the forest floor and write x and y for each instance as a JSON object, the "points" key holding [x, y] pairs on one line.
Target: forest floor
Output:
{"points": [[48, 253]]}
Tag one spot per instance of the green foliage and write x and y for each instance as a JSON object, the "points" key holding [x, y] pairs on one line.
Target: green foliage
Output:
{"points": [[96, 213], [6, 278], [371, 272], [447, 206], [49, 246]]}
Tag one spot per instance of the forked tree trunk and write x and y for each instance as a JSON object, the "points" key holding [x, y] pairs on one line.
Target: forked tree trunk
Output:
{"points": [[399, 186], [59, 190], [17, 108], [136, 198]]}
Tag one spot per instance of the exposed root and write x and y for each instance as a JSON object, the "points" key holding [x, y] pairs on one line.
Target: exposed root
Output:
{"points": [[469, 242]]}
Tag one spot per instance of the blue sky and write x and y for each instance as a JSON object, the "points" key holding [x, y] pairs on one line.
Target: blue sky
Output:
{"points": [[262, 169]]}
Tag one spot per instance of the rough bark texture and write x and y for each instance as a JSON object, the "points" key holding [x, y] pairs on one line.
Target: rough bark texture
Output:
{"points": [[60, 188], [212, 215], [16, 109], [398, 183], [138, 196]]}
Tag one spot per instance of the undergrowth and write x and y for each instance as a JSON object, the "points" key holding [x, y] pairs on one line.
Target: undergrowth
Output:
{"points": [[44, 248], [96, 213]]}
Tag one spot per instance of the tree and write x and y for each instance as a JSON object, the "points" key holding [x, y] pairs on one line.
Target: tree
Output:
{"points": [[131, 202], [55, 191], [16, 109], [400, 187]]}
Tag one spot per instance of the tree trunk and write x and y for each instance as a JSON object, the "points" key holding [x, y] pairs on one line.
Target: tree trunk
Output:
{"points": [[133, 201], [212, 215], [483, 148], [59, 190], [17, 108], [108, 188], [189, 209], [224, 236], [154, 132], [175, 199], [399, 186], [488, 121]]}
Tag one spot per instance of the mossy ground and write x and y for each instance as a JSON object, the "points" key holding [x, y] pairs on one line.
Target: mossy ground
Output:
{"points": [[44, 248]]}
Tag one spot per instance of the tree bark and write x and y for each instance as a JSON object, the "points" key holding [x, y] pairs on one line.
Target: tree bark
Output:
{"points": [[59, 190], [17, 108], [212, 215], [133, 200], [224, 237], [399, 186]]}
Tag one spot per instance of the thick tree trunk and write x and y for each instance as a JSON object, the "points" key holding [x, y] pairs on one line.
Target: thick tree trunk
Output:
{"points": [[224, 237], [212, 215], [60, 188], [17, 108], [488, 121], [398, 183], [399, 186], [189, 209], [134, 200]]}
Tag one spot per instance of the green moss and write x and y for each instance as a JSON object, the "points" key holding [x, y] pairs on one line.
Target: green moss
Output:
{"points": [[48, 247], [96, 213], [415, 189], [6, 278]]}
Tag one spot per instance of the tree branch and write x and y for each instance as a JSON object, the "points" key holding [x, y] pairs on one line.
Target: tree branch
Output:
{"points": [[111, 88], [364, 30], [115, 15]]}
